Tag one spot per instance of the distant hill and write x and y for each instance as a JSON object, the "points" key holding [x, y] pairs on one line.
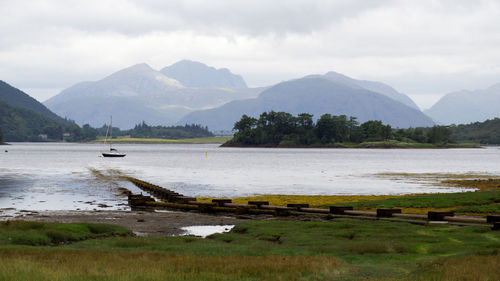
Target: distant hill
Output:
{"points": [[317, 96], [198, 75], [22, 118], [17, 98], [467, 106], [138, 93], [373, 86], [487, 132]]}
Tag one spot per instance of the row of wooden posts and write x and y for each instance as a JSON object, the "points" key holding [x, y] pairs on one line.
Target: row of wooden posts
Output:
{"points": [[174, 200]]}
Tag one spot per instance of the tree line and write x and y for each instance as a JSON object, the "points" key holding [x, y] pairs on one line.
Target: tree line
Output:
{"points": [[20, 124], [487, 132], [282, 128]]}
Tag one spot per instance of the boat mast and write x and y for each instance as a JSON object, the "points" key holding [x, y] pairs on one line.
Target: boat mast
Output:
{"points": [[110, 130]]}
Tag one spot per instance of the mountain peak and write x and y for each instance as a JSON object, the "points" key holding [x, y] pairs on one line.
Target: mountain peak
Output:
{"points": [[138, 73], [373, 86], [199, 75]]}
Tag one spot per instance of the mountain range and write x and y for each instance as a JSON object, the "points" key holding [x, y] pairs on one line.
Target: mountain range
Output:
{"points": [[192, 92], [140, 93], [467, 106], [198, 75], [315, 95]]}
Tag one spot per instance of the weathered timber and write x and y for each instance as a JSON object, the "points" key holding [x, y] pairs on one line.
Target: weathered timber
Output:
{"points": [[412, 216], [236, 205], [184, 199], [298, 206], [492, 219], [439, 216], [339, 210], [387, 213], [360, 213], [221, 202], [465, 219], [315, 210], [258, 203], [139, 199]]}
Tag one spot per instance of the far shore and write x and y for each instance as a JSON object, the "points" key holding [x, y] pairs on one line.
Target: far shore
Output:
{"points": [[379, 145]]}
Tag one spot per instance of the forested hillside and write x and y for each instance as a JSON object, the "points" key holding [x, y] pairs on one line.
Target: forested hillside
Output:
{"points": [[20, 124], [487, 132], [17, 98]]}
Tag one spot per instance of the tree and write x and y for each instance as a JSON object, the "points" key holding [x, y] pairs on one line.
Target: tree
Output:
{"points": [[243, 128], [439, 134], [325, 128], [376, 131]]}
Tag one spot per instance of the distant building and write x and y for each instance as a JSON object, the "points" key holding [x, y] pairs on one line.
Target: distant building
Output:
{"points": [[43, 136]]}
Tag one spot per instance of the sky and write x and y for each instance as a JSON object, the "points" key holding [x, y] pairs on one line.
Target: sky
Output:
{"points": [[422, 48]]}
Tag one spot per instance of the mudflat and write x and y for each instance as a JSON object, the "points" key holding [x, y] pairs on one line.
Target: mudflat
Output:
{"points": [[141, 223]]}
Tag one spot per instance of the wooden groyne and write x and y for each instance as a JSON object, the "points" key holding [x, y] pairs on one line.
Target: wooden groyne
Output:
{"points": [[168, 199]]}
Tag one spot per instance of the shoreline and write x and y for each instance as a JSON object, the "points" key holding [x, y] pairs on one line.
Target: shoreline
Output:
{"points": [[141, 223], [358, 146]]}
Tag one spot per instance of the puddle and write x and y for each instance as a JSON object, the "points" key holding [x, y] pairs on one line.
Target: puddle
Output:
{"points": [[205, 230]]}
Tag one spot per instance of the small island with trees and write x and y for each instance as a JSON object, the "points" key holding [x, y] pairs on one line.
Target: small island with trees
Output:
{"points": [[281, 129]]}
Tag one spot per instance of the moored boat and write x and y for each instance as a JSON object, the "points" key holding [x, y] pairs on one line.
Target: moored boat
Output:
{"points": [[113, 152]]}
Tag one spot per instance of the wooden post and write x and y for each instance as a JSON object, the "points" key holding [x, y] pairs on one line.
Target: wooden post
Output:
{"points": [[298, 205], [492, 219], [387, 213], [258, 203], [221, 202], [184, 199], [439, 216], [339, 210], [496, 226]]}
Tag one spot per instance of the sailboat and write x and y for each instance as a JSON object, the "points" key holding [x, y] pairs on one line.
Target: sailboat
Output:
{"points": [[112, 151]]}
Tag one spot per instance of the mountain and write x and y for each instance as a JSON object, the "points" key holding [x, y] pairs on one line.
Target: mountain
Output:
{"points": [[467, 106], [317, 96], [22, 118], [198, 75], [138, 93], [17, 98], [373, 86]]}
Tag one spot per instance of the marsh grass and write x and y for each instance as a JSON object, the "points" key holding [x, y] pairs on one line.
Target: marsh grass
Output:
{"points": [[39, 233], [479, 202], [99, 265], [312, 200], [341, 249], [482, 202]]}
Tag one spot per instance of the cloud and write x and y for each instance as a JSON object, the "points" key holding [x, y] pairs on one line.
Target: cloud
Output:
{"points": [[54, 44]]}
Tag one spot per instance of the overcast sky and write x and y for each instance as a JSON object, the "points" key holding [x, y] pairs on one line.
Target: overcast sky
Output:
{"points": [[422, 48]]}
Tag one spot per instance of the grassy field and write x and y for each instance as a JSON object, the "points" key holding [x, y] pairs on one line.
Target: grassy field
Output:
{"points": [[184, 141], [341, 249]]}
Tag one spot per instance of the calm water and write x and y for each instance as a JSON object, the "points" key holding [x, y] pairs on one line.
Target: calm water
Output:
{"points": [[59, 177]]}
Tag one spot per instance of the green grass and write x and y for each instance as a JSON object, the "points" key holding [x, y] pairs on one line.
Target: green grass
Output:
{"points": [[465, 202], [341, 249], [158, 140], [38, 233]]}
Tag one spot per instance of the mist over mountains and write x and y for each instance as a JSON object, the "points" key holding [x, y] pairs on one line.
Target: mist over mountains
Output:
{"points": [[467, 106], [140, 93], [191, 92], [198, 75], [317, 96]]}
